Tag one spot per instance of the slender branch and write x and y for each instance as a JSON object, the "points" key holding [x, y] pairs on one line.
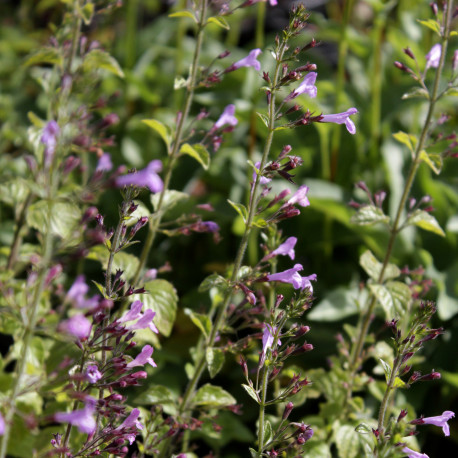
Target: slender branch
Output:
{"points": [[262, 407]]}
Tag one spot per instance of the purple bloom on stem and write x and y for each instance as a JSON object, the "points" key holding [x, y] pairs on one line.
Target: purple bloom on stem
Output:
{"points": [[262, 180], [131, 420], [210, 226], [227, 117], [77, 326], [147, 177], [248, 61], [267, 341], [146, 321], [293, 277], [83, 419], [307, 86], [92, 374], [413, 454], [286, 248], [342, 118], [300, 197], [133, 313], [2, 425], [76, 294], [143, 357], [49, 138], [104, 164], [434, 56], [440, 420]]}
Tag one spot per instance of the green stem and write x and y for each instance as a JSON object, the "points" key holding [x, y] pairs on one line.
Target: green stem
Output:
{"points": [[155, 222], [75, 38], [357, 349], [262, 408]]}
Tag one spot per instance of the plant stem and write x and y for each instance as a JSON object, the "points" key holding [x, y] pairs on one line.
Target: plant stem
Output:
{"points": [[358, 347], [174, 153], [262, 407]]}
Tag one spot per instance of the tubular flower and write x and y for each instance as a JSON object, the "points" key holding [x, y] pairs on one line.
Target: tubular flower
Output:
{"points": [[300, 197], [147, 177], [341, 118], [434, 56], [2, 425], [248, 61], [227, 117], [143, 357], [49, 139], [440, 420], [306, 87], [267, 341], [83, 419], [145, 320], [127, 427], [286, 248], [262, 180], [413, 454], [104, 164], [92, 374], [77, 326]]}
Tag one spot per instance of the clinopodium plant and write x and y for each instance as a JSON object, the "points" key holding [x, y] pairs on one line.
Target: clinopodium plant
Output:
{"points": [[171, 261]]}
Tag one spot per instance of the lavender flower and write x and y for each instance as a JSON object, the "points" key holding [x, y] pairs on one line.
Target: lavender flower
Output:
{"points": [[83, 419], [104, 164], [145, 320], [92, 374], [433, 57], [77, 326], [307, 86], [299, 197], [129, 424], [267, 341], [440, 420], [413, 454], [143, 357], [2, 425], [147, 177], [227, 117], [49, 138], [248, 61], [262, 180], [293, 277], [76, 294], [286, 248], [342, 118]]}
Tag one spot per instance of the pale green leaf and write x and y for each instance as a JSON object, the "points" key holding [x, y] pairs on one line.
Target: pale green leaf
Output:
{"points": [[416, 92], [200, 320], [126, 262], [158, 395], [347, 442], [394, 297], [426, 221], [386, 369], [250, 390], [170, 199], [198, 152], [86, 12], [184, 13], [213, 280], [369, 214], [409, 140], [219, 21], [98, 59], [373, 267], [433, 160], [432, 25], [213, 396], [240, 209], [45, 56], [264, 119], [215, 360], [161, 129]]}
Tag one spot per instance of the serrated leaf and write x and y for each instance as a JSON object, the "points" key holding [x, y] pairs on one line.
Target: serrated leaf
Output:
{"points": [[409, 140], [264, 119], [373, 267], [45, 56], [161, 129], [432, 25], [213, 280], [200, 320], [240, 209], [170, 199], [184, 13], [215, 360], [219, 21], [97, 58], [416, 92], [162, 298], [65, 218], [434, 161], [426, 221], [386, 369], [369, 214], [394, 298], [198, 152], [250, 390], [347, 442], [213, 396]]}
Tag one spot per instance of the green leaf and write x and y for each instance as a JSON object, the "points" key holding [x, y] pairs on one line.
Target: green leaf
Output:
{"points": [[36, 120], [184, 13], [268, 433], [98, 59], [240, 209], [426, 221], [158, 395], [215, 360], [161, 129], [170, 199], [432, 25], [219, 21], [398, 383], [65, 218], [386, 369], [416, 92], [250, 390], [100, 287], [213, 396], [45, 56], [126, 262], [264, 119], [86, 12], [213, 280], [253, 453], [369, 214], [373, 267], [259, 222], [201, 321], [394, 298], [198, 152], [162, 298], [347, 442], [433, 160], [409, 140], [337, 304]]}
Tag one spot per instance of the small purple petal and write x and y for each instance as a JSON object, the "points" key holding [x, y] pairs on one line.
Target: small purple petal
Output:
{"points": [[83, 419], [92, 374], [434, 56], [104, 164], [77, 326], [143, 357], [413, 454], [131, 420], [342, 118], [249, 61], [286, 248], [262, 180], [300, 197], [227, 117], [307, 86], [147, 177]]}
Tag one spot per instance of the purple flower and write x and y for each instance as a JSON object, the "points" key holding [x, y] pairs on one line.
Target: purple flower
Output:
{"points": [[143, 357], [131, 420], [76, 294], [210, 226], [342, 118], [145, 320], [307, 86], [227, 117], [77, 326], [134, 312], [440, 420], [92, 374], [104, 164], [267, 341], [83, 419], [434, 56], [413, 454], [300, 197], [262, 180], [286, 248], [293, 277], [147, 177], [455, 60], [248, 61], [2, 425], [49, 139]]}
